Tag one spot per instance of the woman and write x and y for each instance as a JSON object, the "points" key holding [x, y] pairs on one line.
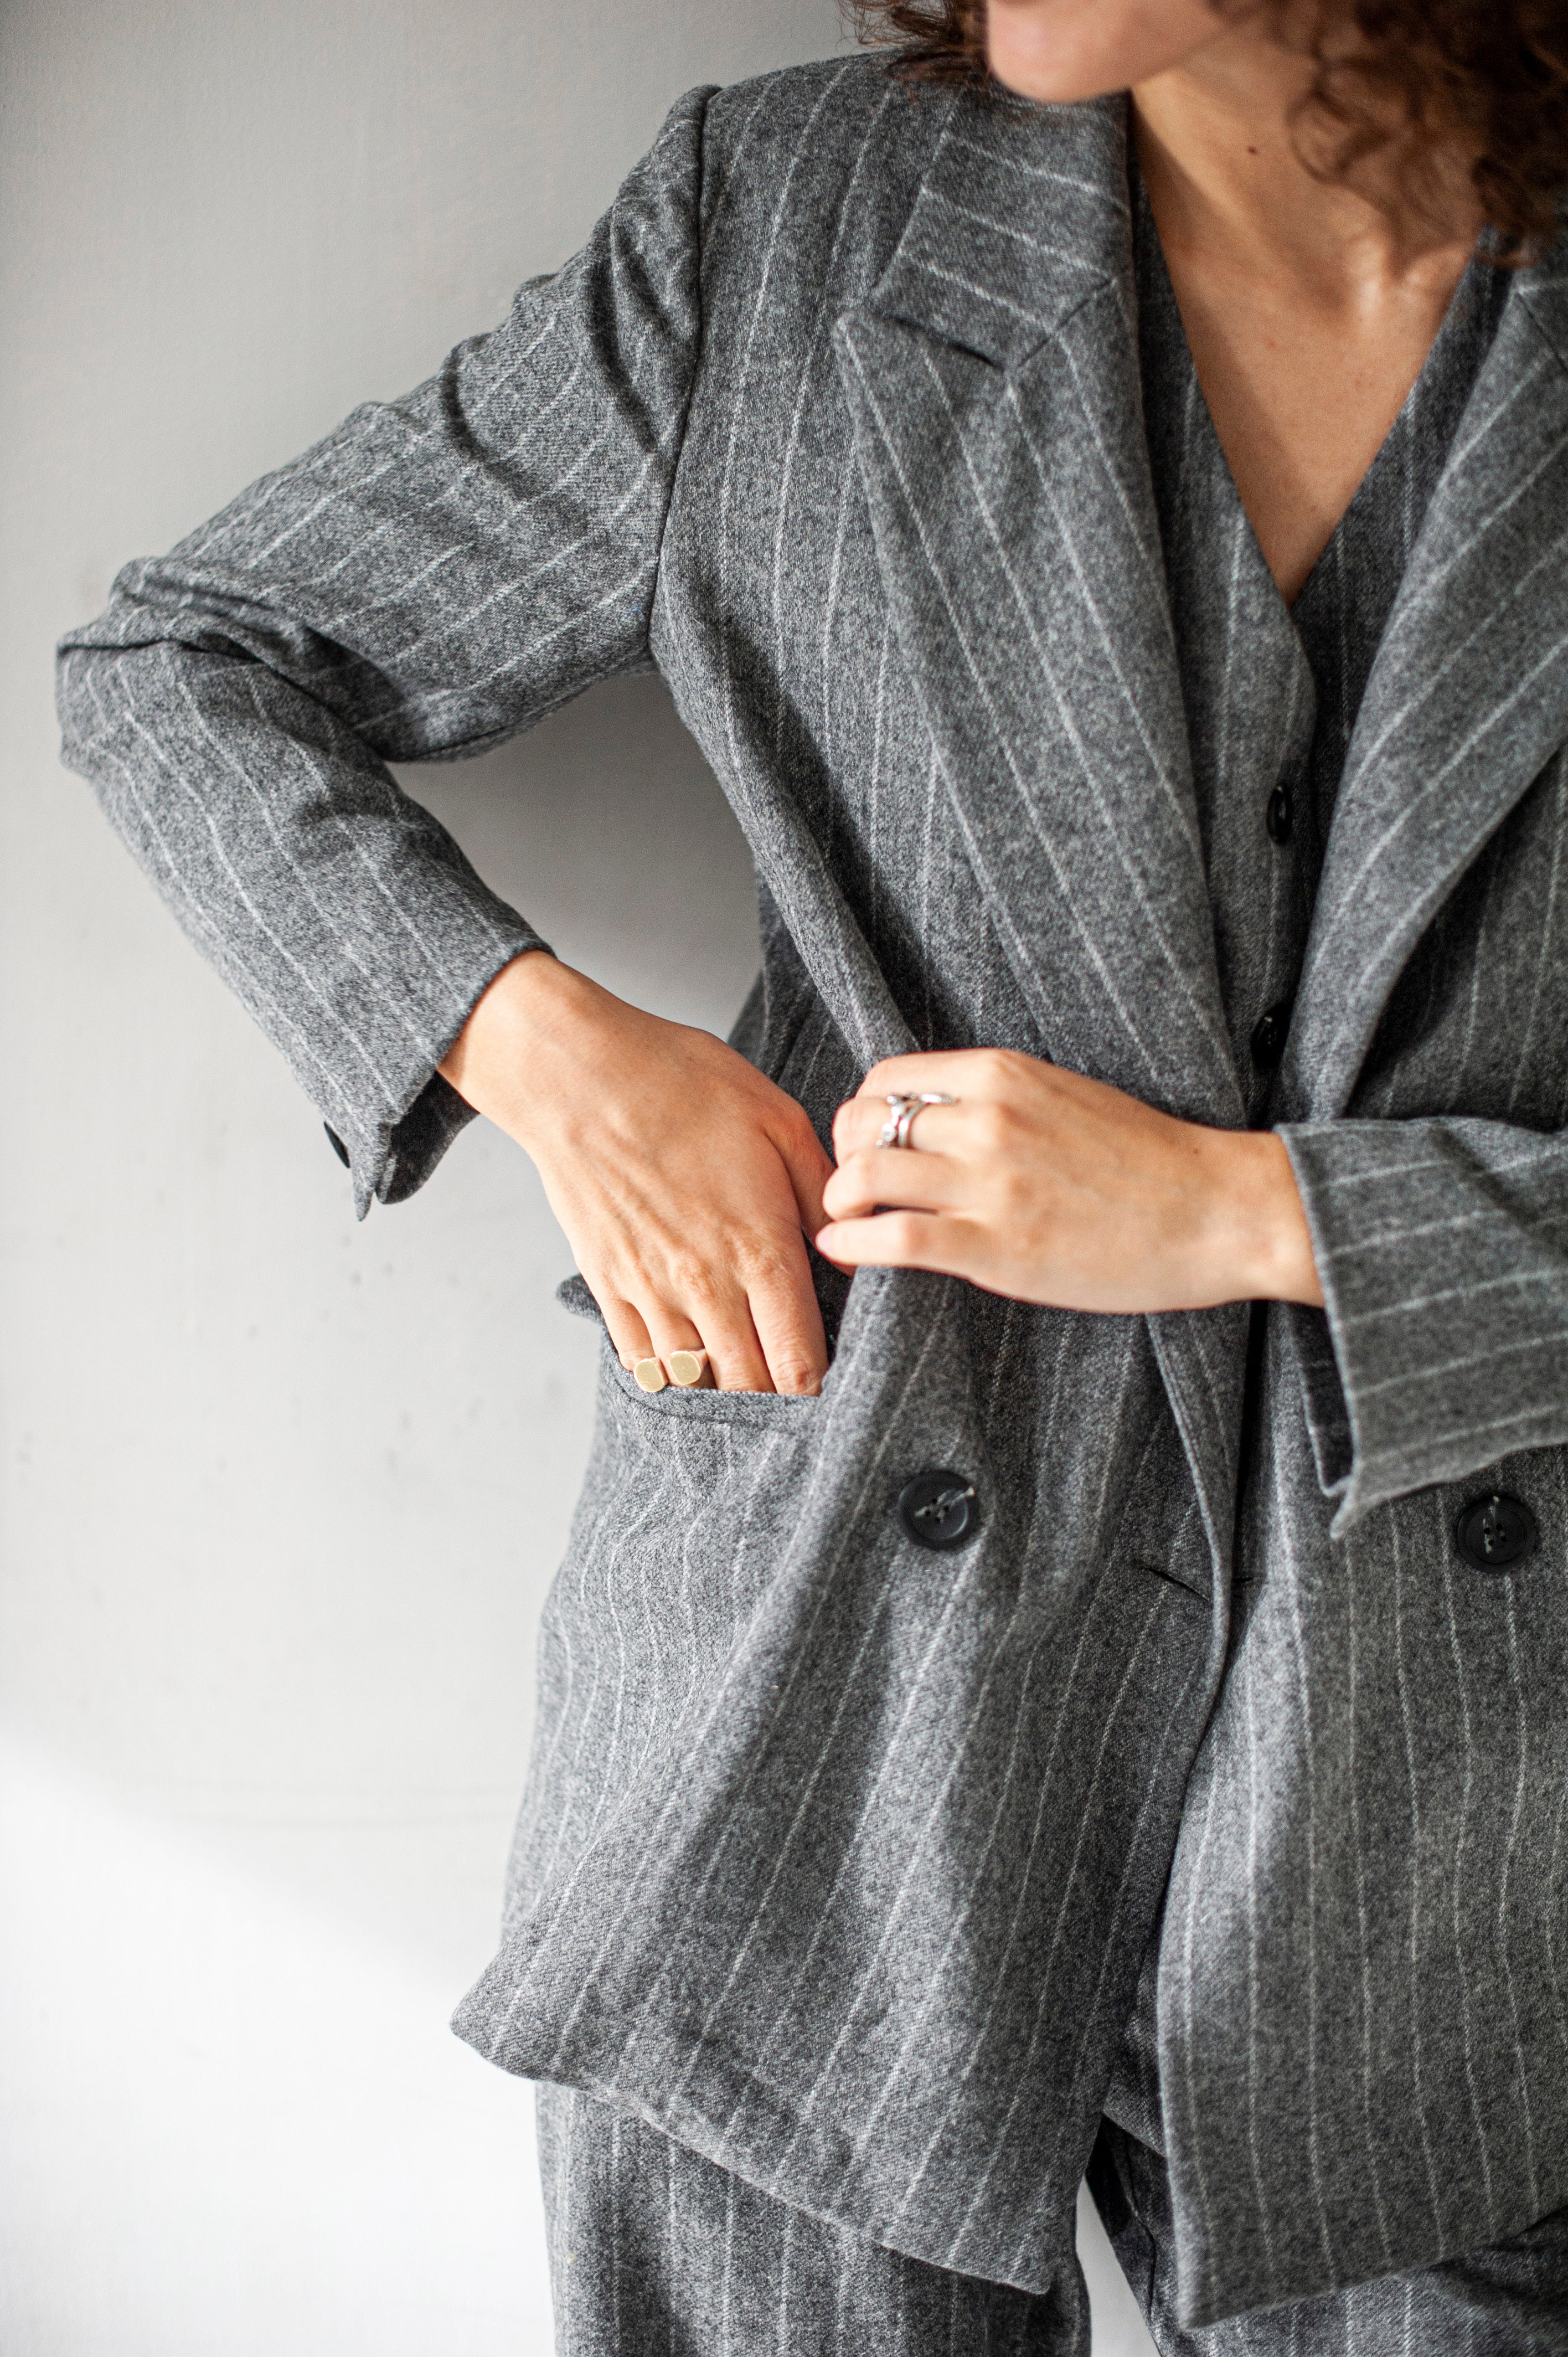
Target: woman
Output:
{"points": [[1028, 1710]]}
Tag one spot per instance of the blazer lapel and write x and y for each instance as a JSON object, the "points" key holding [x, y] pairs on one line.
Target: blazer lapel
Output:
{"points": [[1468, 700], [993, 378], [993, 375]]}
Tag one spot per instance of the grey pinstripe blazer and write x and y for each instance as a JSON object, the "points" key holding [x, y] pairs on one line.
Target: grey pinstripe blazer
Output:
{"points": [[838, 1858]]}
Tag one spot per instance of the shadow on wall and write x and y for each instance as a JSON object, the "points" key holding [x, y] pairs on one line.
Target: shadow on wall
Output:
{"points": [[606, 829], [273, 1624], [206, 2057]]}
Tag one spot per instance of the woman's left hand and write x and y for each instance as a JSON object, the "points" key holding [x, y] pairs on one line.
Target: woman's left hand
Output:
{"points": [[1048, 1186]]}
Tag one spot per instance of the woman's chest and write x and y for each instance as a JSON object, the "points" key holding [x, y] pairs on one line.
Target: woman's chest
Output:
{"points": [[940, 753]]}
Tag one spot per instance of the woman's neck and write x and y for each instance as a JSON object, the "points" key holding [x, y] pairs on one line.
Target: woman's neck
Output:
{"points": [[1218, 144], [1309, 307]]}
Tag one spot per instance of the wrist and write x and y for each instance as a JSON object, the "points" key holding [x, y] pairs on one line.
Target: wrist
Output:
{"points": [[1268, 1244], [510, 1059]]}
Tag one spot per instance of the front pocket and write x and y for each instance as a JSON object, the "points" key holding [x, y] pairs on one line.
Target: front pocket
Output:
{"points": [[769, 1411]]}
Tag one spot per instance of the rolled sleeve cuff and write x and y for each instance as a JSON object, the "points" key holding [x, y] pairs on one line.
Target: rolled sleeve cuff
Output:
{"points": [[390, 1148], [1443, 1345]]}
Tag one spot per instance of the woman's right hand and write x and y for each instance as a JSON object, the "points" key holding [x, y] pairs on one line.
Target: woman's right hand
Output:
{"points": [[687, 1183]]}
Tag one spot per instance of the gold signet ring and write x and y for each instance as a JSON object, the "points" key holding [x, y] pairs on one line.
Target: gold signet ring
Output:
{"points": [[690, 1369], [650, 1374]]}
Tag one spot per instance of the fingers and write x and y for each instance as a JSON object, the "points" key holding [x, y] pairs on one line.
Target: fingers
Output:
{"points": [[956, 1072], [652, 1338], [935, 1240], [972, 1076], [690, 1204], [789, 1326], [766, 1335], [809, 1167], [685, 1358], [628, 1332], [727, 1333], [886, 1175], [762, 1332], [858, 1125], [670, 1330]]}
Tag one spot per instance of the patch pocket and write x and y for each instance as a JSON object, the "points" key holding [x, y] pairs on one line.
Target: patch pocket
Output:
{"points": [[768, 1411]]}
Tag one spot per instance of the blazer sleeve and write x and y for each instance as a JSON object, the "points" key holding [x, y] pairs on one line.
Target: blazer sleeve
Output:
{"points": [[438, 574], [1442, 1245]]}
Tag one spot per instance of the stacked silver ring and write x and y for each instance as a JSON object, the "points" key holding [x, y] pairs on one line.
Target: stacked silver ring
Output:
{"points": [[902, 1110]]}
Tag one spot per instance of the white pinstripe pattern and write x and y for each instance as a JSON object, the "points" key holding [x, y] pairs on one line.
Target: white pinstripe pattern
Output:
{"points": [[428, 1049], [1253, 1896], [1061, 2173], [1098, 192], [192, 915], [294, 969], [1468, 1754], [1461, 758], [668, 2255], [1290, 1575], [1504, 1940], [1009, 229], [1338, 1654], [410, 1018], [1005, 745], [596, 1786], [715, 1712], [889, 1765], [1355, 1563], [914, 605], [1006, 1799], [797, 1667], [1133, 1663]]}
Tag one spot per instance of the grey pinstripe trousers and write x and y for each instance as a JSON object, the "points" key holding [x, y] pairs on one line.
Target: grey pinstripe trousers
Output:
{"points": [[656, 2252]]}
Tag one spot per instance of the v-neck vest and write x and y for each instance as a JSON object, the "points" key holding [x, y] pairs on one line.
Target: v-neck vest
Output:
{"points": [[1271, 693]]}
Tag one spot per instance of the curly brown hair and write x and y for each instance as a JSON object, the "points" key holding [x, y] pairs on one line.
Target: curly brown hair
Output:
{"points": [[1488, 78]]}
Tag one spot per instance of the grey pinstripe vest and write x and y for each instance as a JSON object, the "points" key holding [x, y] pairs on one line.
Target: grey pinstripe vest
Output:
{"points": [[838, 1857]]}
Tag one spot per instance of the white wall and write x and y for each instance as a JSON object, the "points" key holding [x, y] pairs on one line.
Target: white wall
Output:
{"points": [[281, 1494]]}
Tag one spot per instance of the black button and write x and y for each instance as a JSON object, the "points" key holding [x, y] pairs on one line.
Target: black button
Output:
{"points": [[339, 1149], [1495, 1532], [939, 1510], [1269, 1036], [1278, 818]]}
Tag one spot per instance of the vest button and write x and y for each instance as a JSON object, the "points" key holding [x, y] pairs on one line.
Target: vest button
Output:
{"points": [[1496, 1532], [1269, 1036], [1279, 817], [939, 1509]]}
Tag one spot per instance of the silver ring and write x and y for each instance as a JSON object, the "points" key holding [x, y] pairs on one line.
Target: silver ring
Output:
{"points": [[901, 1113]]}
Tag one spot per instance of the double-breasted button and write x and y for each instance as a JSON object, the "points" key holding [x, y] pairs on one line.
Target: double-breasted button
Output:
{"points": [[939, 1509], [1269, 1036], [1495, 1532], [1279, 818]]}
